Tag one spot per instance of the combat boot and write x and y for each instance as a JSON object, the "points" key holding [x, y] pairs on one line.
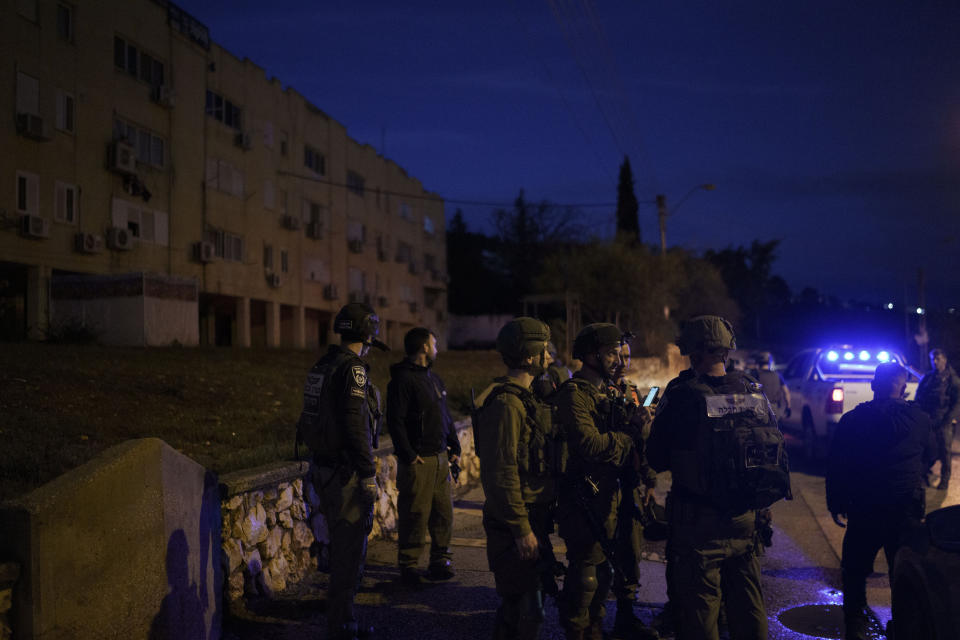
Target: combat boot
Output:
{"points": [[627, 626]]}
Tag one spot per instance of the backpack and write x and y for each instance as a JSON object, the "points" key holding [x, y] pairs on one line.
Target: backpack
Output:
{"points": [[739, 448], [540, 450]]}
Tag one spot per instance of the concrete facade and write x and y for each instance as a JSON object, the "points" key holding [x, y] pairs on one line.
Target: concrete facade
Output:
{"points": [[136, 144], [125, 546]]}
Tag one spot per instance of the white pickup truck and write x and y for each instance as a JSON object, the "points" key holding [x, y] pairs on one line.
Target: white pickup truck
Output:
{"points": [[827, 382]]}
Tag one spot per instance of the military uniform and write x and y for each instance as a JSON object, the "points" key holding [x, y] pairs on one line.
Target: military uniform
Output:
{"points": [[515, 442], [705, 540], [339, 424], [938, 394], [583, 413], [516, 482]]}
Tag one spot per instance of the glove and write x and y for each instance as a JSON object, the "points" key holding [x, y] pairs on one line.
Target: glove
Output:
{"points": [[368, 489]]}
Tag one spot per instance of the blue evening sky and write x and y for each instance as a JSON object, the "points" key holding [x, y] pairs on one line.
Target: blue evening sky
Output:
{"points": [[833, 126]]}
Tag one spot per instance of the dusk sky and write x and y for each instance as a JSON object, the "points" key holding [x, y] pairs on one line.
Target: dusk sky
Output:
{"points": [[833, 126]]}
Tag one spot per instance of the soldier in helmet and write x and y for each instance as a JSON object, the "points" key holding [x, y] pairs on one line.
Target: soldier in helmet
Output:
{"points": [[339, 427], [707, 422], [600, 446], [515, 442], [774, 386]]}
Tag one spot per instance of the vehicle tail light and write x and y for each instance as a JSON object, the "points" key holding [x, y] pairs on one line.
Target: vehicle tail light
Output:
{"points": [[835, 401]]}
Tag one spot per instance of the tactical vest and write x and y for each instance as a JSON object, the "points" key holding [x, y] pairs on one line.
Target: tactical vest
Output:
{"points": [[737, 461], [541, 451], [317, 427]]}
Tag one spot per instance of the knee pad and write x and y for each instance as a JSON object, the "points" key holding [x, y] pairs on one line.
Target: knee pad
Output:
{"points": [[588, 578]]}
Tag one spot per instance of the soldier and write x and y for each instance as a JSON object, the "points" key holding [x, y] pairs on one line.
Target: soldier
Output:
{"points": [[425, 444], [519, 460], [939, 395], [338, 426], [587, 511], [716, 434], [875, 473], [774, 386]]}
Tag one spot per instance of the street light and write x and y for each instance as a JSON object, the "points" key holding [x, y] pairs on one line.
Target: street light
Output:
{"points": [[662, 211]]}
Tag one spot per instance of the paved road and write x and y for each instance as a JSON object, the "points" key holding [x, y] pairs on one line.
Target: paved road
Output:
{"points": [[801, 582]]}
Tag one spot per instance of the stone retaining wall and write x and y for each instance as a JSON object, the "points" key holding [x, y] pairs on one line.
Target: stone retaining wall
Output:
{"points": [[9, 572], [271, 519]]}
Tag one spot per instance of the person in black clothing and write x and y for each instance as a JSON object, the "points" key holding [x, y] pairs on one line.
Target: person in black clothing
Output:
{"points": [[939, 395], [339, 427], [875, 474], [425, 443]]}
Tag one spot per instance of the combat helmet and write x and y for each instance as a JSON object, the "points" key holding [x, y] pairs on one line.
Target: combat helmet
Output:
{"points": [[357, 321], [594, 337], [705, 333], [521, 338]]}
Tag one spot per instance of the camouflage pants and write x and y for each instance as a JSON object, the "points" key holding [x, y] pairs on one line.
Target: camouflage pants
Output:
{"points": [[520, 613], [944, 439]]}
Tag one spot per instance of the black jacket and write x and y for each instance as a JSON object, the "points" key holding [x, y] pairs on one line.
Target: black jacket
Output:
{"points": [[417, 415], [880, 454]]}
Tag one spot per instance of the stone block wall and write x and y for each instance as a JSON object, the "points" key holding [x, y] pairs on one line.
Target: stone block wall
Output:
{"points": [[271, 519]]}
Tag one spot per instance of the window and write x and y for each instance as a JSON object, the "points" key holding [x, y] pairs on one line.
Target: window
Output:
{"points": [[283, 201], [65, 22], [150, 148], [65, 203], [224, 177], [136, 62], [28, 94], [428, 225], [148, 225], [65, 116], [268, 134], [314, 160], [28, 193], [356, 231], [27, 9], [284, 142], [268, 257], [222, 110], [406, 212], [312, 212], [404, 252], [355, 182], [356, 280], [284, 261], [269, 197], [226, 245]]}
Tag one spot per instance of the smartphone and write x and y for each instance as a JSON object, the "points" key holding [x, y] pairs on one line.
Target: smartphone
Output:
{"points": [[651, 396]]}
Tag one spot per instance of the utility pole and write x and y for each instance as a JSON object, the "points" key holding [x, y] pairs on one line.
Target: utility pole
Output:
{"points": [[662, 217]]}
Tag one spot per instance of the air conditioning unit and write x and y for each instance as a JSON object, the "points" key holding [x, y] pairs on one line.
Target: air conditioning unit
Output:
{"points": [[291, 222], [33, 126], [414, 307], [273, 279], [383, 301], [34, 226], [88, 243], [119, 239], [162, 95], [122, 158], [356, 246], [243, 140], [315, 230], [330, 292], [204, 252]]}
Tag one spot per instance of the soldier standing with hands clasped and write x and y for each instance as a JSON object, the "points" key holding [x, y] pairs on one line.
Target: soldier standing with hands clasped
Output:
{"points": [[519, 457], [425, 444], [717, 435], [339, 425]]}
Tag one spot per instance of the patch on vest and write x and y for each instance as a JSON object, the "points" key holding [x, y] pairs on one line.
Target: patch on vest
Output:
{"points": [[719, 406], [359, 375]]}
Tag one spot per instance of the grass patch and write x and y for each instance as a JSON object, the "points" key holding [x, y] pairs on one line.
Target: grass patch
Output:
{"points": [[228, 409]]}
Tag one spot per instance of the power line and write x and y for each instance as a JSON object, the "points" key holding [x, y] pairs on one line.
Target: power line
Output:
{"points": [[436, 197]]}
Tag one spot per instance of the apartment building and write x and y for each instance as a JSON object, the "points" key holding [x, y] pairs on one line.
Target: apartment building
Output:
{"points": [[157, 189]]}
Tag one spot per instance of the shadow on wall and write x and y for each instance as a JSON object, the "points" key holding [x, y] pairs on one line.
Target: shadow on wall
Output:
{"points": [[184, 612]]}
